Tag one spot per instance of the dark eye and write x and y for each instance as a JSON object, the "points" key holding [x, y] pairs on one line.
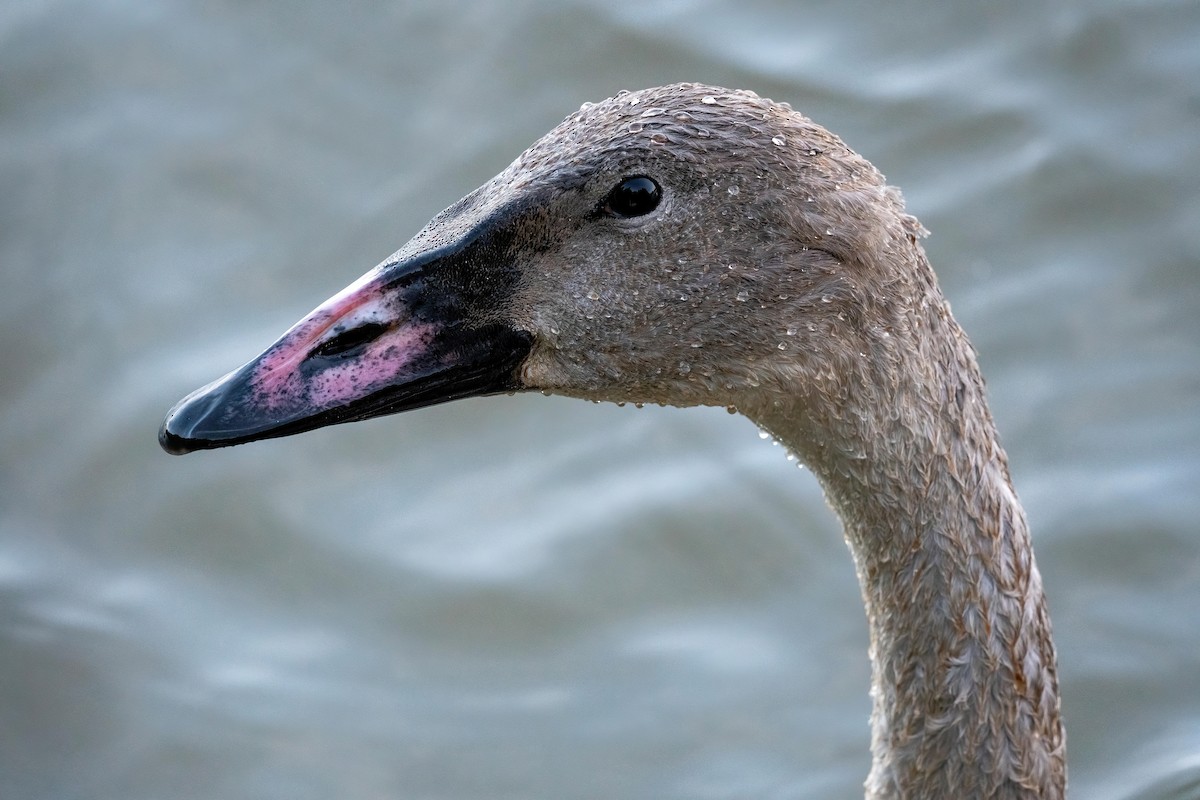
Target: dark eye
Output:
{"points": [[633, 197]]}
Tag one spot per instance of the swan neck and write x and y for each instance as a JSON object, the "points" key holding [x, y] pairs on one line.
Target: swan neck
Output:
{"points": [[964, 678]]}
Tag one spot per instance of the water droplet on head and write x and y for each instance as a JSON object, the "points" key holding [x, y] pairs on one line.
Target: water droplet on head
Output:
{"points": [[684, 368], [733, 191], [703, 133], [593, 295], [782, 345], [764, 435], [708, 100], [652, 112], [635, 127], [743, 296], [633, 101], [778, 141], [659, 138], [731, 409], [790, 331]]}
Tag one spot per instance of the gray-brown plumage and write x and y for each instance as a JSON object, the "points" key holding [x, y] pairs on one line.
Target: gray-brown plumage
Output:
{"points": [[778, 274]]}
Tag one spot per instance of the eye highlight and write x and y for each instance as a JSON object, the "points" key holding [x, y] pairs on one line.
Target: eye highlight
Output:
{"points": [[633, 197]]}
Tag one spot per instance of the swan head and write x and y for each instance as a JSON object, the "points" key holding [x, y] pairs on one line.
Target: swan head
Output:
{"points": [[684, 245]]}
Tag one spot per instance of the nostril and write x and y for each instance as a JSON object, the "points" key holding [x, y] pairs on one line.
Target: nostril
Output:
{"points": [[349, 342]]}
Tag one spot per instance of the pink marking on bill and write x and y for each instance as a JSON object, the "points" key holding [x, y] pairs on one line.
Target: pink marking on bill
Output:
{"points": [[279, 383]]}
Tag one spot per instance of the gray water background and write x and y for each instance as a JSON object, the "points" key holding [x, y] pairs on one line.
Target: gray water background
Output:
{"points": [[532, 597]]}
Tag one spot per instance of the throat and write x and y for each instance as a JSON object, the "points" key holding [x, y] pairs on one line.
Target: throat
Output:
{"points": [[963, 667]]}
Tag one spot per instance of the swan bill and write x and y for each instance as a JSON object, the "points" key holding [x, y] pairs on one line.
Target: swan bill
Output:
{"points": [[403, 336]]}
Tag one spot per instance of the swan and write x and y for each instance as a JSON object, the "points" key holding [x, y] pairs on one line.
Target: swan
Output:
{"points": [[691, 245]]}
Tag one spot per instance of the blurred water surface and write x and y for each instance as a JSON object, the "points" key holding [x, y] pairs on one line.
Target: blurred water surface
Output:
{"points": [[531, 597]]}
